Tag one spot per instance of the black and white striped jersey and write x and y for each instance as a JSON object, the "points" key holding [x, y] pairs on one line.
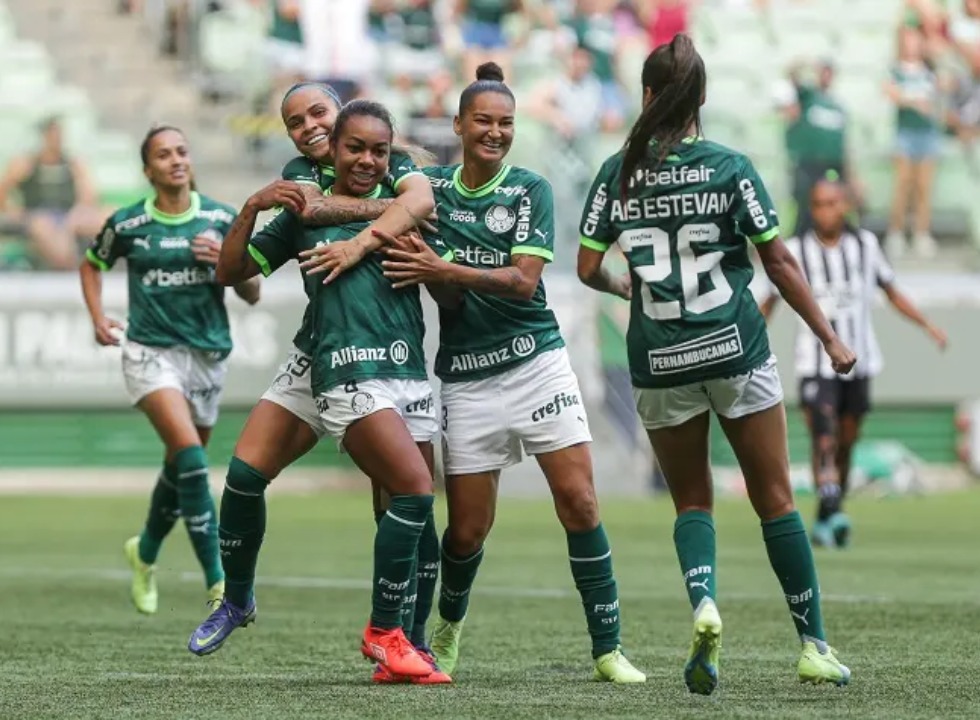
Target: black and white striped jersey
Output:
{"points": [[844, 278]]}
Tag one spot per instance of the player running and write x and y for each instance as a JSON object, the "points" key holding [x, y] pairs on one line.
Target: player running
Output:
{"points": [[507, 381], [845, 268], [285, 425], [681, 208], [175, 346], [371, 390]]}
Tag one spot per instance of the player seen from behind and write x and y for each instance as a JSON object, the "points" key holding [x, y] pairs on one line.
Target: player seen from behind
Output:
{"points": [[175, 345], [682, 209], [507, 384], [845, 267]]}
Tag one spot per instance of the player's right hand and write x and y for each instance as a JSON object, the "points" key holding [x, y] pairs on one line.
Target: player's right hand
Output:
{"points": [[105, 331], [842, 358], [281, 193]]}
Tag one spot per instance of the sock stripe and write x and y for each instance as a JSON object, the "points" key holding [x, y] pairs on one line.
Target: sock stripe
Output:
{"points": [[403, 521], [229, 488], [461, 561], [162, 479], [591, 559], [192, 473]]}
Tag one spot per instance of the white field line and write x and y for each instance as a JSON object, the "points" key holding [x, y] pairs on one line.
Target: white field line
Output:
{"points": [[301, 582]]}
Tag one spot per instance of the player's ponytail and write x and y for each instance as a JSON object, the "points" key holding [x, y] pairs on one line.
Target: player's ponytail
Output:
{"points": [[489, 78], [675, 77]]}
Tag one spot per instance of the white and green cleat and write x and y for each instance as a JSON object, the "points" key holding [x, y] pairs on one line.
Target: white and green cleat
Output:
{"points": [[816, 667], [701, 670], [614, 667], [143, 588], [445, 644]]}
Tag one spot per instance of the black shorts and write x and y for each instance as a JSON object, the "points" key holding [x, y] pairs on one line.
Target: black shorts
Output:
{"points": [[844, 396]]}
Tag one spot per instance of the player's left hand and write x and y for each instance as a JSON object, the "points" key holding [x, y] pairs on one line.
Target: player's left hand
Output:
{"points": [[417, 265], [206, 249], [333, 258], [938, 336]]}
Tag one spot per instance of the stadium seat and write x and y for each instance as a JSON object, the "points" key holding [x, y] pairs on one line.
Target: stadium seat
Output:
{"points": [[230, 46]]}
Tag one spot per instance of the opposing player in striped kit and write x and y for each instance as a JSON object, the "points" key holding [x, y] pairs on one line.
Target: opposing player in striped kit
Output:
{"points": [[845, 267], [683, 210], [176, 345]]}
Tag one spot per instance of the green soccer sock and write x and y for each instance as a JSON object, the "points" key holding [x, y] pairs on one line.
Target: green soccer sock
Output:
{"points": [[197, 509], [591, 560], [427, 574], [395, 556], [242, 529], [792, 560], [694, 539], [458, 574], [162, 516]]}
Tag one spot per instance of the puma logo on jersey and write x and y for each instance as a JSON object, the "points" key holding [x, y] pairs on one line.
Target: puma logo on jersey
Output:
{"points": [[143, 242]]}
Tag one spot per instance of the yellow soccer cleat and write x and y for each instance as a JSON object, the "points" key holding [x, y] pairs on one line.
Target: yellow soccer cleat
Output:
{"points": [[817, 667], [614, 667], [701, 670], [445, 644], [143, 589]]}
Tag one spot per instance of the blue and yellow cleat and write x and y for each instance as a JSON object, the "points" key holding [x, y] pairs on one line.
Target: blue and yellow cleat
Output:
{"points": [[822, 535], [212, 633], [816, 667], [840, 529], [701, 670]]}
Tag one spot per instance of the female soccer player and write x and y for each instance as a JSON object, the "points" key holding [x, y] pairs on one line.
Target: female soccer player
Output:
{"points": [[371, 390], [681, 207], [507, 381], [175, 347], [285, 424], [845, 267]]}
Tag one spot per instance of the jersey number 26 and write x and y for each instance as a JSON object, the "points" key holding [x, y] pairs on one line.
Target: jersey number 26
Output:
{"points": [[692, 267]]}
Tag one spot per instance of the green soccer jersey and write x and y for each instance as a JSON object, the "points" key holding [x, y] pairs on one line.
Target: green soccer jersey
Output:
{"points": [[683, 231], [362, 328], [819, 134], [303, 170], [173, 298], [512, 214]]}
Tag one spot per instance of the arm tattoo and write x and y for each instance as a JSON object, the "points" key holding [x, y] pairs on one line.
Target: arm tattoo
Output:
{"points": [[338, 211], [504, 281]]}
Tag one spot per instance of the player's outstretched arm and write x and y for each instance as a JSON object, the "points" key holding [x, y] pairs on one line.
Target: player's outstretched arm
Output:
{"points": [[901, 302], [785, 274], [235, 264]]}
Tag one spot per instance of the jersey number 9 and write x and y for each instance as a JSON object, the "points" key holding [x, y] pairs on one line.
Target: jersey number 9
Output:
{"points": [[692, 267]]}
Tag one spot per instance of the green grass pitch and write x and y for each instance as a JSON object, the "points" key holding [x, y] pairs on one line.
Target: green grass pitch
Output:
{"points": [[901, 606]]}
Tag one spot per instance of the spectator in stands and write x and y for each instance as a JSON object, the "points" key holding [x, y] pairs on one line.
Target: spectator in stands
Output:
{"points": [[816, 136], [484, 39], [570, 105], [431, 125], [285, 52], [412, 33], [339, 48], [914, 88], [58, 202], [664, 19], [594, 26]]}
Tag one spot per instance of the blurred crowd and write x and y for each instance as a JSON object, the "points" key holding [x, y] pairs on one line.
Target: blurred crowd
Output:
{"points": [[573, 63]]}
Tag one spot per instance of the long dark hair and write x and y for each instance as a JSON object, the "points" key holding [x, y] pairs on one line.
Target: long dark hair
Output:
{"points": [[674, 74]]}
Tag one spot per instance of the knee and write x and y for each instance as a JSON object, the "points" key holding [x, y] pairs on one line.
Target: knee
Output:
{"points": [[578, 511], [464, 539]]}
